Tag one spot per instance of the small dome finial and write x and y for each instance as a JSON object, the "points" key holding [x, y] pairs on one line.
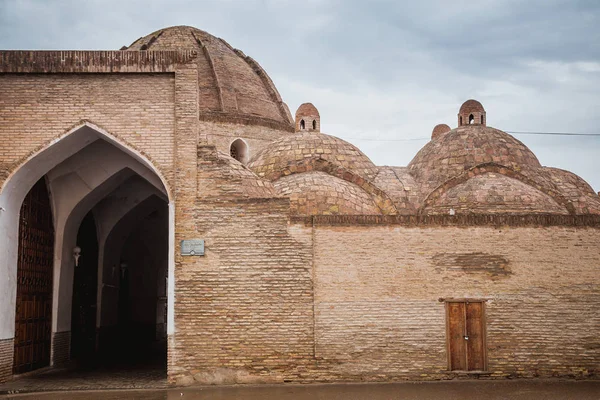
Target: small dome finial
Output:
{"points": [[439, 130], [308, 118], [471, 113]]}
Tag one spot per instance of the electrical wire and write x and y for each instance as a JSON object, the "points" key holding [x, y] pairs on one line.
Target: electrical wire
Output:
{"points": [[512, 132]]}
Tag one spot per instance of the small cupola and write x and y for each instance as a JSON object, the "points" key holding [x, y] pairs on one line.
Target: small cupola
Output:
{"points": [[471, 113], [439, 130], [308, 118]]}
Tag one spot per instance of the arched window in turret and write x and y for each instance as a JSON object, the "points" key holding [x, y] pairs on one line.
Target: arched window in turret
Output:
{"points": [[314, 124], [302, 125]]}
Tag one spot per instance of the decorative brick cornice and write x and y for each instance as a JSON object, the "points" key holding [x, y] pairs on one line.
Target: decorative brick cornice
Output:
{"points": [[76, 61], [511, 220]]}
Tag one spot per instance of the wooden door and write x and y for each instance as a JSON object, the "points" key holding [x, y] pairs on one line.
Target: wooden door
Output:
{"points": [[34, 281], [466, 336]]}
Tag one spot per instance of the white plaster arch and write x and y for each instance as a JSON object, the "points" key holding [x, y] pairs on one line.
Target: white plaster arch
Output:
{"points": [[114, 242], [110, 211], [41, 162]]}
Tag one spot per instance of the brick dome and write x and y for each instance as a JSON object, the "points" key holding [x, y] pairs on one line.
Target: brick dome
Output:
{"points": [[439, 130], [471, 106], [302, 151], [225, 177], [231, 83], [491, 193], [318, 193], [575, 189], [307, 110], [466, 147]]}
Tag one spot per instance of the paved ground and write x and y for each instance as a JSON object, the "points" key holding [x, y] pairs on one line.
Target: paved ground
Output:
{"points": [[454, 390], [113, 377]]}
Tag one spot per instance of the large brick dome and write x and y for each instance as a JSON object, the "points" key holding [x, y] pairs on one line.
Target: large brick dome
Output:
{"points": [[301, 152], [231, 83], [465, 147]]}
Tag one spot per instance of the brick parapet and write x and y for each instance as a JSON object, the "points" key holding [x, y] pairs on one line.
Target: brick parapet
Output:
{"points": [[80, 61], [514, 220]]}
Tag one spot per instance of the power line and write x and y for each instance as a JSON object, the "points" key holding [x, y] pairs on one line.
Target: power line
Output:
{"points": [[554, 133], [512, 132]]}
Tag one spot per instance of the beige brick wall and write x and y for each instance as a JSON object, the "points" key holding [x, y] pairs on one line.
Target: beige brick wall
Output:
{"points": [[222, 134], [37, 108], [6, 359], [244, 311], [378, 316]]}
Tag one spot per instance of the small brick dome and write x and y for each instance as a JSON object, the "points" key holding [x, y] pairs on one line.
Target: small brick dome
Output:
{"points": [[307, 109], [439, 130], [230, 82], [470, 106], [492, 193], [465, 147], [318, 193], [300, 152]]}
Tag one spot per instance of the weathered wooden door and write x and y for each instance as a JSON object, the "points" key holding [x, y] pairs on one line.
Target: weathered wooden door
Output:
{"points": [[34, 281], [466, 336]]}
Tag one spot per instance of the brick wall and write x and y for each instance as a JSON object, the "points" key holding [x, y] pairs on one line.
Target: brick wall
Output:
{"points": [[36, 108], [222, 134], [61, 348], [377, 291], [7, 348], [243, 312]]}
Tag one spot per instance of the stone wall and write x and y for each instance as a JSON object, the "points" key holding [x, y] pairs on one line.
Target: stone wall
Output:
{"points": [[378, 288]]}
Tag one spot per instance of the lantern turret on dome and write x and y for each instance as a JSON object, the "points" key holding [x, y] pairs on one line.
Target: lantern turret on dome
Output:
{"points": [[471, 113], [308, 118]]}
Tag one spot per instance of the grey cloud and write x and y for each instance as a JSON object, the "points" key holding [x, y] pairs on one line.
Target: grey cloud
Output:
{"points": [[380, 69]]}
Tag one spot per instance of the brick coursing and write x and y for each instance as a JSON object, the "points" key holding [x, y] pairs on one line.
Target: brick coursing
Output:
{"points": [[7, 348], [61, 348], [36, 109], [378, 314]]}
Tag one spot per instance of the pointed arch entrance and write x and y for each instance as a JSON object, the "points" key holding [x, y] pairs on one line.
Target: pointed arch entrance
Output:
{"points": [[89, 175]]}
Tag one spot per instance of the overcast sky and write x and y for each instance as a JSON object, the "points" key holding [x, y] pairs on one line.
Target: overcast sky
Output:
{"points": [[382, 73]]}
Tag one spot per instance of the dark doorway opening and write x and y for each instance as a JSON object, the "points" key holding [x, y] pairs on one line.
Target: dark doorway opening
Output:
{"points": [[34, 281], [85, 288]]}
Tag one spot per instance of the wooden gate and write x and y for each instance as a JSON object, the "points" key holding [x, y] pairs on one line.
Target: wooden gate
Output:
{"points": [[34, 281], [466, 335]]}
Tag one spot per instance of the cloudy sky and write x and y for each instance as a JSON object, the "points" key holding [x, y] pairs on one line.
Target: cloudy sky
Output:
{"points": [[382, 73]]}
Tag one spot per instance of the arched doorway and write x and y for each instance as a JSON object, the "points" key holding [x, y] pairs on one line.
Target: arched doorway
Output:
{"points": [[95, 181], [85, 293], [33, 316]]}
